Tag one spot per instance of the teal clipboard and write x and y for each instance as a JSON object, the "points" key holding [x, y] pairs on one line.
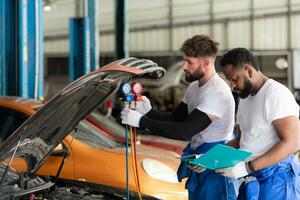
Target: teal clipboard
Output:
{"points": [[221, 156]]}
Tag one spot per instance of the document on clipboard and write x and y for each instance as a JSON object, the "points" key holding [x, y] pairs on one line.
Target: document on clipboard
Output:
{"points": [[220, 156], [188, 158]]}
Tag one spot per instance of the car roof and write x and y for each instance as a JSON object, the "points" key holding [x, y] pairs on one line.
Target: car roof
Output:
{"points": [[30, 105]]}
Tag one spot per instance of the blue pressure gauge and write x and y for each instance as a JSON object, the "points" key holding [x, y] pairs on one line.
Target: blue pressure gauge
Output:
{"points": [[125, 88]]}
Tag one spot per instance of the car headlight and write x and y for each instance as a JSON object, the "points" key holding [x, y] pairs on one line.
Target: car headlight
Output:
{"points": [[159, 171]]}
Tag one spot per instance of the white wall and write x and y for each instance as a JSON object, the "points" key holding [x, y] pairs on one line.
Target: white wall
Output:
{"points": [[182, 33], [239, 34], [295, 23], [155, 40], [60, 46], [219, 34], [270, 32], [57, 21]]}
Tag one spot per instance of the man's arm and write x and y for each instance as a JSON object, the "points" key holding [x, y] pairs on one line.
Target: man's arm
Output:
{"points": [[180, 114], [195, 122], [236, 141], [288, 132]]}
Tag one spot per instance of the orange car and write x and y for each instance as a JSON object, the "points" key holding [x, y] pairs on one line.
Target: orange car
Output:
{"points": [[116, 131], [95, 158]]}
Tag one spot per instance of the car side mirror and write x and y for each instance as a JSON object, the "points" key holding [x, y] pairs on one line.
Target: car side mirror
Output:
{"points": [[59, 151]]}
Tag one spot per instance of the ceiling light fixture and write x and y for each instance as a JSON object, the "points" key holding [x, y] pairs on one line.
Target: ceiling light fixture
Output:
{"points": [[48, 5]]}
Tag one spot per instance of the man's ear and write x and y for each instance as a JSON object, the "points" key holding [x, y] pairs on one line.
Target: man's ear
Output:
{"points": [[207, 61], [249, 70]]}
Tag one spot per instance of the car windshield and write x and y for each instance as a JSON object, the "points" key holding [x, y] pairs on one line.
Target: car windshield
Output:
{"points": [[94, 137], [107, 123]]}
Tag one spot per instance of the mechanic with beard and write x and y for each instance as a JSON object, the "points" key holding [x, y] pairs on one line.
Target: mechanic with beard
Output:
{"points": [[269, 127], [205, 117]]}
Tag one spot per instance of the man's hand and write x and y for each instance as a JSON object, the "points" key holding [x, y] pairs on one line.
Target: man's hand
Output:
{"points": [[143, 106], [131, 117], [195, 168], [237, 171]]}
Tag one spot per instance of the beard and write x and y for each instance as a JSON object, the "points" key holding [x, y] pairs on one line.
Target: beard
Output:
{"points": [[244, 93], [193, 77]]}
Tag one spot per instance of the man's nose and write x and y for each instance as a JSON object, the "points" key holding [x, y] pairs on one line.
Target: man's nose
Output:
{"points": [[232, 85]]}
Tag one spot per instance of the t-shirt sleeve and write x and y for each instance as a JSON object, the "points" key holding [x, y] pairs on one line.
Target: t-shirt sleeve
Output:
{"points": [[214, 103], [185, 97], [280, 103]]}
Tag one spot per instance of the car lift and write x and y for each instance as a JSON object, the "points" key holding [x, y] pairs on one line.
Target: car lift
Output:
{"points": [[83, 44], [21, 51]]}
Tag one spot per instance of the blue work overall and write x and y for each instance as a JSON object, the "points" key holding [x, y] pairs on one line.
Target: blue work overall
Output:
{"points": [[280, 181], [207, 185]]}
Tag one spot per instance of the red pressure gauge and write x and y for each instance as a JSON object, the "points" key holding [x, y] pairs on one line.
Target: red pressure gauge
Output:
{"points": [[137, 88]]}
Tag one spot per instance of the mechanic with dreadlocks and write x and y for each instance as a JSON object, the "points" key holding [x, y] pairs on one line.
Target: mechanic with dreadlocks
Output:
{"points": [[269, 127], [205, 117]]}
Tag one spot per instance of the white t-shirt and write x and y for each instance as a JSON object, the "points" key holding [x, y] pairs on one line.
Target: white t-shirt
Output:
{"points": [[213, 98], [256, 114]]}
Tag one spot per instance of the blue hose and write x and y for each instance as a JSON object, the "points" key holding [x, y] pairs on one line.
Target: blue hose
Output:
{"points": [[127, 171]]}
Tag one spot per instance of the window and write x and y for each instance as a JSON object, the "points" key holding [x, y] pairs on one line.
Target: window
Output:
{"points": [[10, 120], [92, 136], [107, 123]]}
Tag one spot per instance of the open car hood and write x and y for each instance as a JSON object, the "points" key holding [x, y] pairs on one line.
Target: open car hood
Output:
{"points": [[42, 132]]}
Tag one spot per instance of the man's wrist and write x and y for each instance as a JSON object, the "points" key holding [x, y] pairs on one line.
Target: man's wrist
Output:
{"points": [[142, 121], [249, 167], [148, 112]]}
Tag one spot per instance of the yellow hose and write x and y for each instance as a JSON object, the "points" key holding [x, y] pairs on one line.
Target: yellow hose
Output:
{"points": [[134, 164]]}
